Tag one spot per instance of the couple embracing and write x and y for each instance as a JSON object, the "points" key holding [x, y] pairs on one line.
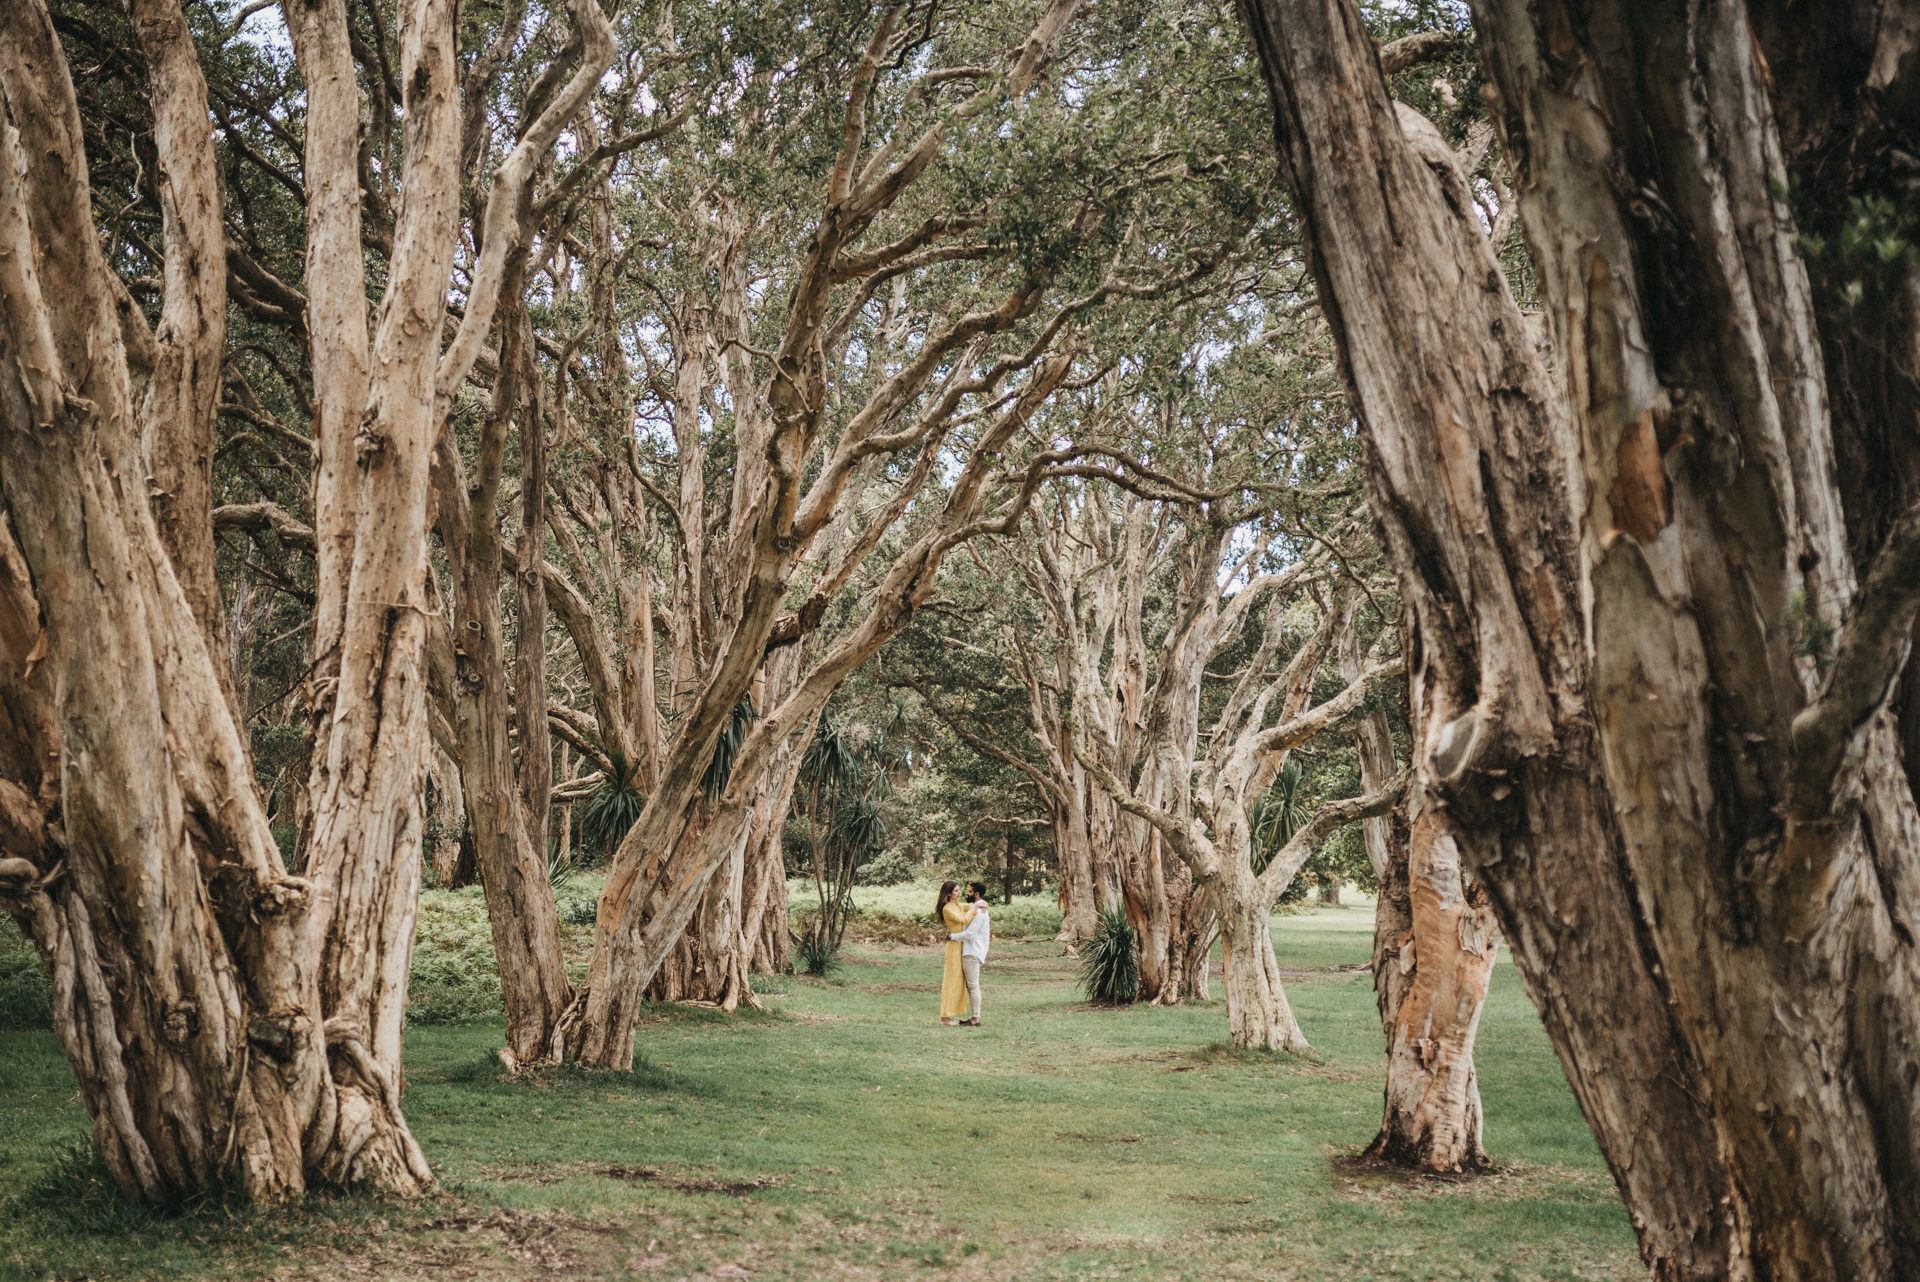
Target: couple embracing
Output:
{"points": [[968, 933]]}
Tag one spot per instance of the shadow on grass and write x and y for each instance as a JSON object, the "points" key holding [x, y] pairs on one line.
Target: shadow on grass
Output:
{"points": [[565, 1078], [1367, 1169], [1227, 1055], [74, 1213]]}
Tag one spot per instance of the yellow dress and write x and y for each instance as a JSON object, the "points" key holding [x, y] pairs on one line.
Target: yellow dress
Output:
{"points": [[953, 985]]}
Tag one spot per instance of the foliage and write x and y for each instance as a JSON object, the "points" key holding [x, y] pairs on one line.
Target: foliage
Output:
{"points": [[846, 775], [578, 907], [726, 749], [1873, 247], [814, 954], [1110, 960], [1278, 814], [455, 978], [613, 807], [560, 867], [891, 867], [26, 997]]}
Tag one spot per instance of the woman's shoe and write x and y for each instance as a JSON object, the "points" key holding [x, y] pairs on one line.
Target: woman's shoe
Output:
{"points": [[948, 1022]]}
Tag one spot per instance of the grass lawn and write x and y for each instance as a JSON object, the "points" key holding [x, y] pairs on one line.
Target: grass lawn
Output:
{"points": [[846, 1134]]}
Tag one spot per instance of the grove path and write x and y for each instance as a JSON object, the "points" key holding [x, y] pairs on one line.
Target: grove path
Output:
{"points": [[847, 1134]]}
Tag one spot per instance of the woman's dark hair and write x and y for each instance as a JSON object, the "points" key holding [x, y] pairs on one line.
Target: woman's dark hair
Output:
{"points": [[946, 892]]}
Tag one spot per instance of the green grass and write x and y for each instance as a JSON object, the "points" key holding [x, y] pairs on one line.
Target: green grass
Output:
{"points": [[845, 1133]]}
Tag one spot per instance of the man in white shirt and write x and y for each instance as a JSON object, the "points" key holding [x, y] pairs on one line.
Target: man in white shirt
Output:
{"points": [[973, 947]]}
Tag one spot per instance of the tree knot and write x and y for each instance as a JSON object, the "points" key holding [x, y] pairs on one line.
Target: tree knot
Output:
{"points": [[276, 1036], [181, 1022], [368, 441]]}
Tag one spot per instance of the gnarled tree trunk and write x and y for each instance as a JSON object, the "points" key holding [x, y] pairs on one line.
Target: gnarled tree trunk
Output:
{"points": [[1433, 949], [1258, 1016], [1683, 798], [228, 1024], [506, 802], [1432, 983]]}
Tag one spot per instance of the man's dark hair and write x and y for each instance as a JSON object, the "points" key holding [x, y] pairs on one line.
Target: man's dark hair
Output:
{"points": [[978, 887]]}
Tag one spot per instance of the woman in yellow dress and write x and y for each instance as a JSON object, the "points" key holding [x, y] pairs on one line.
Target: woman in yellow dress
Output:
{"points": [[953, 917]]}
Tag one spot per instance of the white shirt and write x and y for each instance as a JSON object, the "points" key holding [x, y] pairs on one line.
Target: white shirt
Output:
{"points": [[978, 934]]}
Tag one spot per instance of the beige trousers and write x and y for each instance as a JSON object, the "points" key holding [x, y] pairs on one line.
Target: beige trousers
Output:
{"points": [[970, 968]]}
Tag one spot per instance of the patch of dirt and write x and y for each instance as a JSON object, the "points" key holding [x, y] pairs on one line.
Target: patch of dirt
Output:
{"points": [[1088, 1137], [1364, 1179], [1359, 1166], [685, 1181], [690, 1183], [464, 1245]]}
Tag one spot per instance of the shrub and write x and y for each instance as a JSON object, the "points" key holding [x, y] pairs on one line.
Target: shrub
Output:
{"points": [[890, 868], [1027, 917], [455, 979], [1110, 962], [578, 906], [26, 998], [612, 808], [816, 955]]}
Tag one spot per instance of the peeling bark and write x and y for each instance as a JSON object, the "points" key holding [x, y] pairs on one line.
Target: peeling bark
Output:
{"points": [[1694, 835], [229, 1025], [1432, 990]]}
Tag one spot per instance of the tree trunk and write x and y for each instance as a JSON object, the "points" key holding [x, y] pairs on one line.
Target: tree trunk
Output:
{"points": [[1073, 851], [1779, 855], [710, 961], [763, 921], [508, 838], [1432, 981], [452, 847], [226, 1022], [1174, 927], [1258, 1016], [1676, 474], [1432, 962], [182, 396]]}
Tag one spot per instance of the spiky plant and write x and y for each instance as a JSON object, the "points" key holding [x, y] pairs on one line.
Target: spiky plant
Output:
{"points": [[1110, 961], [831, 761], [816, 955], [560, 868], [727, 749], [613, 807], [1277, 815]]}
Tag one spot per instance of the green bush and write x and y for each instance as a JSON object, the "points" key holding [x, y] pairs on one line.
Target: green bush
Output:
{"points": [[890, 868], [26, 999], [579, 905], [1109, 962], [611, 808], [1027, 917], [814, 955]]}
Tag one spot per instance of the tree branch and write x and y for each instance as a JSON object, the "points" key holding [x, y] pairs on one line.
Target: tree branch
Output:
{"points": [[1868, 660], [1291, 734], [505, 201], [1287, 860]]}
